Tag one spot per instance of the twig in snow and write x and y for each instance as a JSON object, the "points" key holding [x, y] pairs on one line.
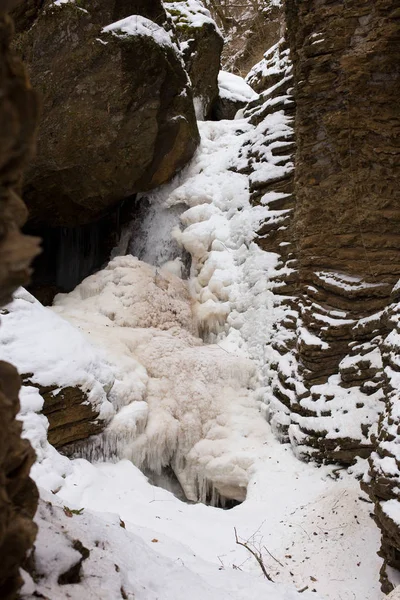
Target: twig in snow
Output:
{"points": [[303, 589], [257, 556], [272, 556]]}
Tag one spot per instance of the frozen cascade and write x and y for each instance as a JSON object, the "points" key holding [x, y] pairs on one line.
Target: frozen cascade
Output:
{"points": [[181, 402], [151, 237]]}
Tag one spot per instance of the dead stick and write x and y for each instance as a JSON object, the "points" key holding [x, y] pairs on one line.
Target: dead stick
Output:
{"points": [[256, 556], [272, 556]]}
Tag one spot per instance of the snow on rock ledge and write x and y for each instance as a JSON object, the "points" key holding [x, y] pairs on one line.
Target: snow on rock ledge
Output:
{"points": [[73, 378], [136, 25]]}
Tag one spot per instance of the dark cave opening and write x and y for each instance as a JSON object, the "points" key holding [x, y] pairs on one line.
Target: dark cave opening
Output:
{"points": [[169, 481], [69, 254]]}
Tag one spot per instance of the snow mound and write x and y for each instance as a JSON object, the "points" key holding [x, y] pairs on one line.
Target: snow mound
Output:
{"points": [[136, 25], [233, 87], [192, 13]]}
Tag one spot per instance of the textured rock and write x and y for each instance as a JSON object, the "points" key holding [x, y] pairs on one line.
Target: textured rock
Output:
{"points": [[344, 226], [18, 112], [383, 480], [118, 115], [72, 418], [18, 494], [335, 359], [202, 45]]}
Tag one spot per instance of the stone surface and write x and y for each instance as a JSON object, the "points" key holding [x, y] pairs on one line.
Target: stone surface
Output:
{"points": [[347, 216], [72, 418], [18, 494], [117, 115], [343, 227], [383, 480]]}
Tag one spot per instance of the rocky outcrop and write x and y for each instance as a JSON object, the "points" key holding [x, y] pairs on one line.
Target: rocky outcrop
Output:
{"points": [[118, 114], [71, 416], [201, 43], [18, 494], [74, 382], [270, 159], [335, 357]]}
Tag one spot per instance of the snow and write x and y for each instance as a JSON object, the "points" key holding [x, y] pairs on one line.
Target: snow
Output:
{"points": [[134, 564], [234, 88], [49, 352], [193, 404], [190, 12], [136, 25]]}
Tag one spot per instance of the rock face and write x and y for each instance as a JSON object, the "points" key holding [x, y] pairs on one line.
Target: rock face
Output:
{"points": [[202, 44], [118, 114], [383, 480], [329, 384], [336, 355], [72, 418], [249, 29], [18, 494]]}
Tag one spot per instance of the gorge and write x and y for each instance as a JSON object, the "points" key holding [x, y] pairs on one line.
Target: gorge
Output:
{"points": [[213, 321]]}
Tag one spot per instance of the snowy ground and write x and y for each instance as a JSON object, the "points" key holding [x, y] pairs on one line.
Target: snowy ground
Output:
{"points": [[312, 531], [173, 398]]}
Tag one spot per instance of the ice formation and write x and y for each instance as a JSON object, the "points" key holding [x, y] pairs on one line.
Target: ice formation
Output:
{"points": [[198, 412]]}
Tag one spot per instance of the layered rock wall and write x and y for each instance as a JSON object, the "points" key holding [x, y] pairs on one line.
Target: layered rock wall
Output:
{"points": [[345, 225], [335, 359]]}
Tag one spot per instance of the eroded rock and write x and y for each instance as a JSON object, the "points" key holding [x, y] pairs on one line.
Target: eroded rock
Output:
{"points": [[18, 494]]}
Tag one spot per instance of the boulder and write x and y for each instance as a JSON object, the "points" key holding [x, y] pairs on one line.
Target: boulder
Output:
{"points": [[201, 43], [118, 114]]}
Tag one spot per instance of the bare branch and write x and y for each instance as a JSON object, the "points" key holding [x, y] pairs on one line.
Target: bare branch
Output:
{"points": [[272, 556], [257, 556]]}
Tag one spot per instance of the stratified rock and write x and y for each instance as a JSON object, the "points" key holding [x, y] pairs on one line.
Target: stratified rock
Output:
{"points": [[72, 417], [18, 494], [328, 391], [383, 480], [202, 44], [118, 113]]}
